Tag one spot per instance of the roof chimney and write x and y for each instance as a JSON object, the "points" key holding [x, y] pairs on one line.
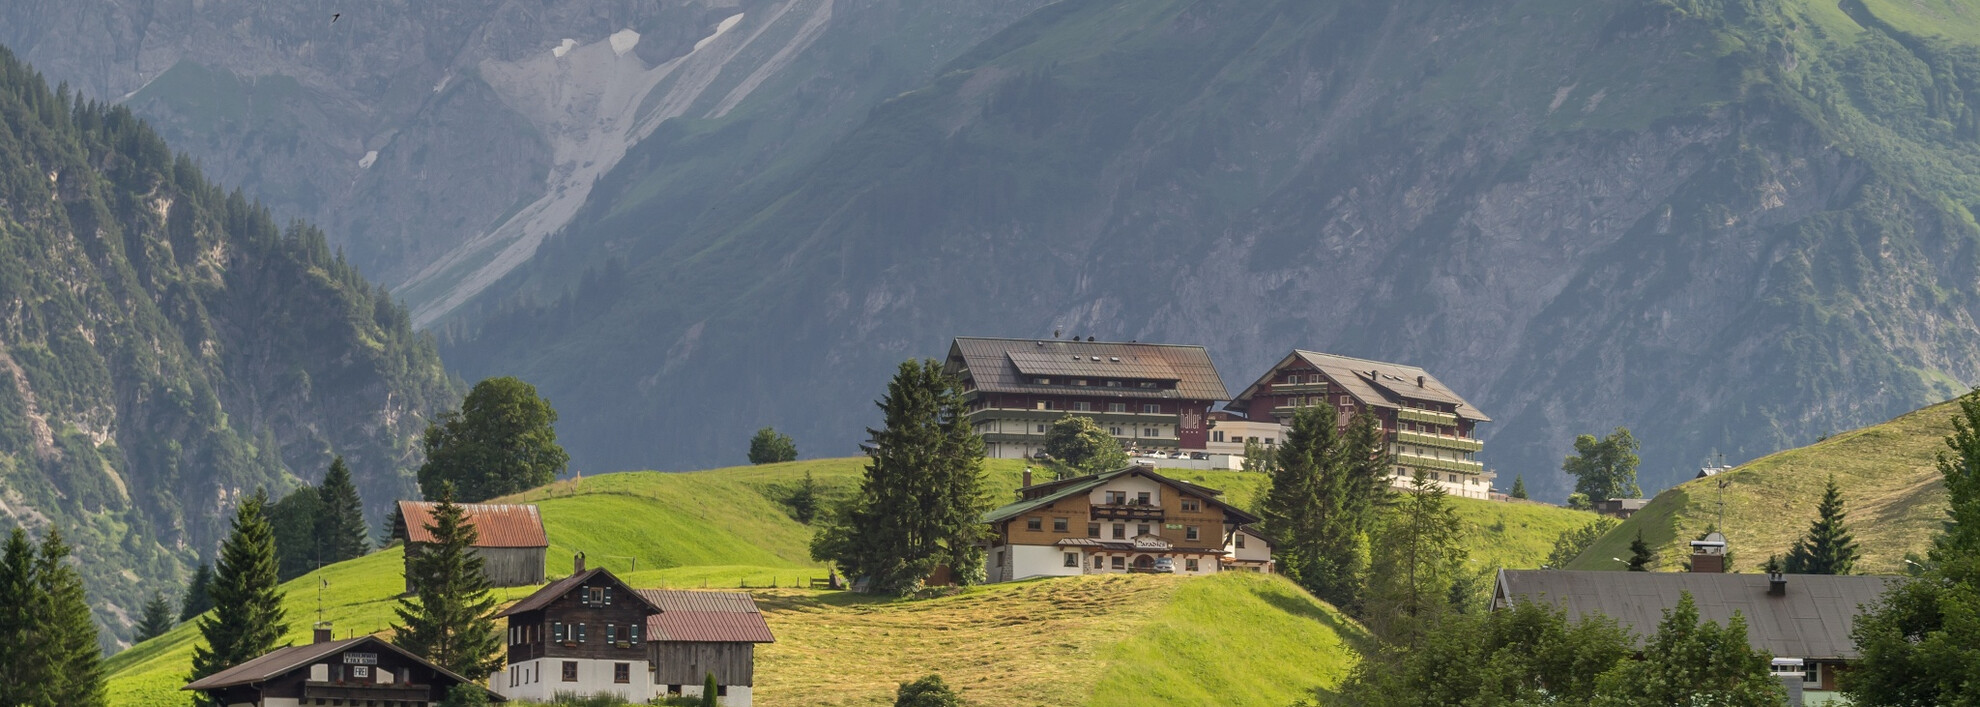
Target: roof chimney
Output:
{"points": [[577, 563], [1776, 584], [1419, 381], [1027, 477], [1709, 554], [323, 633]]}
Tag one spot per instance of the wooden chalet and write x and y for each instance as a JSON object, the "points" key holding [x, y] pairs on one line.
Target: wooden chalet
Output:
{"points": [[355, 671], [512, 542], [591, 634], [1129, 520]]}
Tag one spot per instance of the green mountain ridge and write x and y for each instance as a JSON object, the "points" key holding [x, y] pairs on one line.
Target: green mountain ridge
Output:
{"points": [[165, 346], [1731, 225]]}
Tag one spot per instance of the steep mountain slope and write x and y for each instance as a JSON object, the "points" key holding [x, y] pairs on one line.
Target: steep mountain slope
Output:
{"points": [[165, 347], [1732, 225], [438, 143], [1889, 478]]}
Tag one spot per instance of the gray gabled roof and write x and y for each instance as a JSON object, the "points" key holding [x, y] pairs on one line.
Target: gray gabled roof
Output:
{"points": [[1088, 483], [1373, 383], [281, 661], [1008, 365], [1812, 620]]}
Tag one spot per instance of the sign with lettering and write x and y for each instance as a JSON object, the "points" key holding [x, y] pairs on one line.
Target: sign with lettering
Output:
{"points": [[1172, 526], [1150, 542], [360, 658]]}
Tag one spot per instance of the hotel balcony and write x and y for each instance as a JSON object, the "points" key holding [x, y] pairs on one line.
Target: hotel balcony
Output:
{"points": [[1426, 439], [1427, 416], [1434, 464], [1299, 388], [1126, 511], [1100, 416]]}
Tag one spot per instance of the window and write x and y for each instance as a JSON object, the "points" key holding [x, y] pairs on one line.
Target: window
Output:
{"points": [[1345, 399], [1240, 541], [1041, 428], [1115, 430], [1120, 531], [1113, 384], [1189, 533], [1042, 381], [1098, 562], [1151, 408], [597, 595], [1141, 498], [673, 689], [1269, 441], [1293, 378], [1189, 565], [1296, 401], [1059, 525], [1083, 406], [1115, 498], [1079, 381], [1072, 559], [1147, 384], [1141, 529], [1217, 436], [1120, 563], [1191, 504], [570, 671], [622, 672], [1151, 432], [1044, 404], [1034, 523], [1092, 530], [1116, 407], [1453, 477]]}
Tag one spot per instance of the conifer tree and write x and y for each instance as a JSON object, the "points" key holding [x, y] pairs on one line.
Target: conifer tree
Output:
{"points": [[1419, 556], [247, 617], [1366, 461], [340, 520], [20, 622], [922, 498], [708, 691], [1303, 507], [1640, 555], [68, 632], [449, 616], [804, 501], [156, 618], [1519, 487], [197, 600], [1829, 547], [298, 547]]}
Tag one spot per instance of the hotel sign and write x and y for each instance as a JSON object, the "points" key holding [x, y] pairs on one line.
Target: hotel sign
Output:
{"points": [[360, 658]]}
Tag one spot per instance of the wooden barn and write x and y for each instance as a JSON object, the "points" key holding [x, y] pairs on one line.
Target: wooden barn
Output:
{"points": [[512, 543], [699, 632]]}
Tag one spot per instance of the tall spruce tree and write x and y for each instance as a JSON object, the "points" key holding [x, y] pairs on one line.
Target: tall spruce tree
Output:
{"points": [[247, 617], [340, 516], [1305, 508], [298, 547], [156, 619], [1519, 487], [68, 633], [1918, 641], [922, 496], [1419, 557], [449, 616], [1640, 555], [197, 599], [21, 602], [1829, 547]]}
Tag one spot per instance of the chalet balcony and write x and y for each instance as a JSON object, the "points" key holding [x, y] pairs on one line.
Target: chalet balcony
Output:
{"points": [[1431, 417], [1434, 464], [1099, 416], [398, 692], [1426, 439], [1126, 511], [1299, 388]]}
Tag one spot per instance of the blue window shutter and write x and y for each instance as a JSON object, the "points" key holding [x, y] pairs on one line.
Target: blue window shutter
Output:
{"points": [[632, 633], [582, 633], [557, 631], [608, 596], [611, 633]]}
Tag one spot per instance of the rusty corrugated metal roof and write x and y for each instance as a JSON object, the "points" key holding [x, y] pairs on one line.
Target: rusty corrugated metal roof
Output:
{"points": [[705, 617], [1006, 365], [499, 524]]}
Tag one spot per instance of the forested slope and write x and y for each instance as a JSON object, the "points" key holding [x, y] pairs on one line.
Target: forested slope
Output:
{"points": [[166, 346]]}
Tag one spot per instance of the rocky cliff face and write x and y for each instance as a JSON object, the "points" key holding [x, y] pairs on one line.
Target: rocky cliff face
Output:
{"points": [[165, 347], [1717, 226]]}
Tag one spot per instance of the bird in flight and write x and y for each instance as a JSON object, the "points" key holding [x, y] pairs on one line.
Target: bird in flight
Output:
{"points": [[334, 16]]}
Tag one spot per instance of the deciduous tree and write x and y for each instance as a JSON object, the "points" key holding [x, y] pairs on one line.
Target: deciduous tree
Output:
{"points": [[1828, 547], [503, 440], [247, 616], [449, 616], [928, 691], [1692, 663], [921, 501], [1080, 448], [770, 447], [1527, 654], [1604, 468], [1570, 543]]}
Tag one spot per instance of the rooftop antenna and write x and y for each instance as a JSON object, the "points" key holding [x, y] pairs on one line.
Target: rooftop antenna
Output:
{"points": [[320, 584]]}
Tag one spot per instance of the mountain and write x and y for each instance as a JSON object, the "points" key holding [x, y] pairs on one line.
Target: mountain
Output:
{"points": [[1731, 225], [1124, 638], [165, 347], [1888, 474], [439, 143]]}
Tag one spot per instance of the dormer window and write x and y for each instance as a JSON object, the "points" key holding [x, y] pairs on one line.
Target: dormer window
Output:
{"points": [[597, 596]]}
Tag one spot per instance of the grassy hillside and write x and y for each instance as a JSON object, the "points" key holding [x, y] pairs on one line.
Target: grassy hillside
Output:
{"points": [[1112, 639], [1887, 474]]}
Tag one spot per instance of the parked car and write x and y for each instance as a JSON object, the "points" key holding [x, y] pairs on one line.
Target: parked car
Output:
{"points": [[1164, 564]]}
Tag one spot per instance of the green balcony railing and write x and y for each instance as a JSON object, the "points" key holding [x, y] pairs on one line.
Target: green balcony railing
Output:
{"points": [[1427, 416], [1453, 465], [1425, 439]]}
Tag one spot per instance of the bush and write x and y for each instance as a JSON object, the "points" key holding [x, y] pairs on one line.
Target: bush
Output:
{"points": [[929, 691]]}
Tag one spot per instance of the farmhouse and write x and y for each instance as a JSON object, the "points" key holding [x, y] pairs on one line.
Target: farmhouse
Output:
{"points": [[1130, 520], [355, 671], [1430, 428], [512, 543], [1151, 397], [591, 634], [1803, 620]]}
